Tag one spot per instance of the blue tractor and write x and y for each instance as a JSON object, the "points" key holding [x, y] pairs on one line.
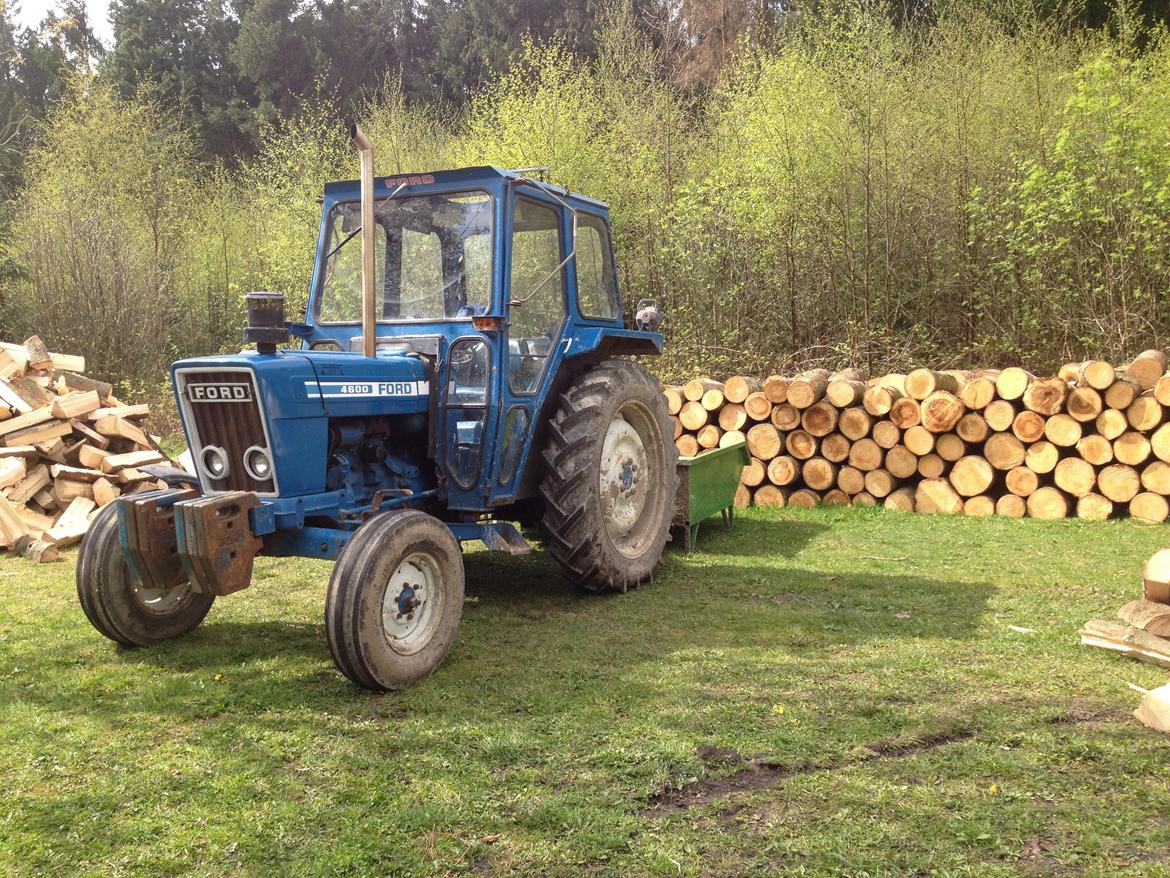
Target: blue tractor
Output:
{"points": [[459, 371]]}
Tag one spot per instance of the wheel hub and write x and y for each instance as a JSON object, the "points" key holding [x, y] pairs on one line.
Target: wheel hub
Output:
{"points": [[623, 478], [409, 614], [160, 600]]}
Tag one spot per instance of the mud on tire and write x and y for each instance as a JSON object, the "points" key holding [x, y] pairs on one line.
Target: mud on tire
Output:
{"points": [[123, 613], [610, 477]]}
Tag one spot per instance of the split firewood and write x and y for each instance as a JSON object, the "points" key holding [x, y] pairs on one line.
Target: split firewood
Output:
{"points": [[1127, 640]]}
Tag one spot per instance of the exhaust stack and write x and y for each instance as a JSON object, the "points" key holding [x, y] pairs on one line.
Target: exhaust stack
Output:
{"points": [[369, 319]]}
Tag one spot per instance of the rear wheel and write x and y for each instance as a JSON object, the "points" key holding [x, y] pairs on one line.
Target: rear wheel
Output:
{"points": [[610, 478], [395, 600], [119, 608]]}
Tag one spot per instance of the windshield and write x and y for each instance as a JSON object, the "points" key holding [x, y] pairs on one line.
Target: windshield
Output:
{"points": [[432, 257]]}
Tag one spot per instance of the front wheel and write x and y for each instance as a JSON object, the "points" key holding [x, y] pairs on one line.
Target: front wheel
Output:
{"points": [[395, 600], [120, 609]]}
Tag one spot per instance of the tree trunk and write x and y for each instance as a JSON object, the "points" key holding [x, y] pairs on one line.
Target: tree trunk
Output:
{"points": [[1045, 396], [865, 455], [1003, 451], [819, 419], [1042, 457], [1119, 482], [934, 496], [1028, 427], [763, 441], [1094, 507], [818, 473], [737, 388], [1047, 503], [1075, 476], [1148, 506]]}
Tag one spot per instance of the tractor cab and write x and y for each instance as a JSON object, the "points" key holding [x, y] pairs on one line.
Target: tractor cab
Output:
{"points": [[457, 371]]}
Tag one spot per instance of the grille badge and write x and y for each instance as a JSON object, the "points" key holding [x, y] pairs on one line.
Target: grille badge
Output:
{"points": [[220, 392]]}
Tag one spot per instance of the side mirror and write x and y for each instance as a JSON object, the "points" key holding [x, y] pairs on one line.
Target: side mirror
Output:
{"points": [[648, 316]]}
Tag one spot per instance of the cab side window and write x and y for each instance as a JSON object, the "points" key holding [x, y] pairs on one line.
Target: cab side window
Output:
{"points": [[537, 293], [597, 294]]}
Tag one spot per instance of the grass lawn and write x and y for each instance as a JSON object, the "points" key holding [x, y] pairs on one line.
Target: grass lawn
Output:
{"points": [[834, 692]]}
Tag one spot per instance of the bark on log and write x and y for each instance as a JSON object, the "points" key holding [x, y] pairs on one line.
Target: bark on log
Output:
{"points": [[1094, 507], [807, 388], [1150, 507], [737, 388], [1075, 476], [1146, 368], [936, 496], [1096, 374], [971, 475], [1047, 503], [1122, 392], [1119, 482]]}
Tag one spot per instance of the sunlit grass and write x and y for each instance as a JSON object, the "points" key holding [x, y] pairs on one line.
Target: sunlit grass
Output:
{"points": [[558, 734]]}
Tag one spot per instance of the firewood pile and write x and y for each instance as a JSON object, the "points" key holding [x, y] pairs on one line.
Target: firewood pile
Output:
{"points": [[1143, 633], [68, 446], [1092, 441]]}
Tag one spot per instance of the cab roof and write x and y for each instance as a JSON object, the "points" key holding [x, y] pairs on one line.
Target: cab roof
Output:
{"points": [[343, 190]]}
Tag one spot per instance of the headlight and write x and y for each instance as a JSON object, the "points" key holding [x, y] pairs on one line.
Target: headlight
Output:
{"points": [[258, 464], [214, 461]]}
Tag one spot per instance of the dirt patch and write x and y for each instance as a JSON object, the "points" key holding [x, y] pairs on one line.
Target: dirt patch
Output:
{"points": [[759, 773]]}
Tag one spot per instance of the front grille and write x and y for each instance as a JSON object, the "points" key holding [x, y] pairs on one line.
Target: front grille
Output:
{"points": [[221, 407]]}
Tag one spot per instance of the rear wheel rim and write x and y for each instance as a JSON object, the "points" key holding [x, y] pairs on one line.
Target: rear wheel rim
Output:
{"points": [[412, 604], [627, 479]]}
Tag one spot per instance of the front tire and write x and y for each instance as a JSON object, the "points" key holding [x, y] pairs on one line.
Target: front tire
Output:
{"points": [[395, 600], [124, 612], [610, 478]]}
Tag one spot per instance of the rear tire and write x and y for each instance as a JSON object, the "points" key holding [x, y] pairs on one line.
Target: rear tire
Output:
{"points": [[610, 478], [395, 600], [115, 606]]}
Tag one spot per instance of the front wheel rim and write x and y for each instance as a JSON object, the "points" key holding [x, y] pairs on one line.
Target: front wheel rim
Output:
{"points": [[626, 479], [412, 603], [161, 601]]}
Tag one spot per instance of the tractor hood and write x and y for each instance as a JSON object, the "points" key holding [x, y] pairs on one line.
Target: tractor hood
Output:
{"points": [[299, 384]]}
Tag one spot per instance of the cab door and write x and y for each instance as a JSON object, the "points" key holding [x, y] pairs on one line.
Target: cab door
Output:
{"points": [[536, 293]]}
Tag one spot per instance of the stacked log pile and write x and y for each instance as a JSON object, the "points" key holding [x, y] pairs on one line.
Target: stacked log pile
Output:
{"points": [[1091, 442], [68, 446]]}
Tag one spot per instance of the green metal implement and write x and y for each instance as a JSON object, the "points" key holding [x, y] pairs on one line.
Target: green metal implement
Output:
{"points": [[706, 485]]}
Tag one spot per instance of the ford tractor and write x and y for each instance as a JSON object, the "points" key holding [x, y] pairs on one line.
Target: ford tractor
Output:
{"points": [[460, 370]]}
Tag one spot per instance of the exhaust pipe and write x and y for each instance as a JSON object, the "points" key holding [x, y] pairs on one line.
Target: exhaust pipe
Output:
{"points": [[369, 318]]}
